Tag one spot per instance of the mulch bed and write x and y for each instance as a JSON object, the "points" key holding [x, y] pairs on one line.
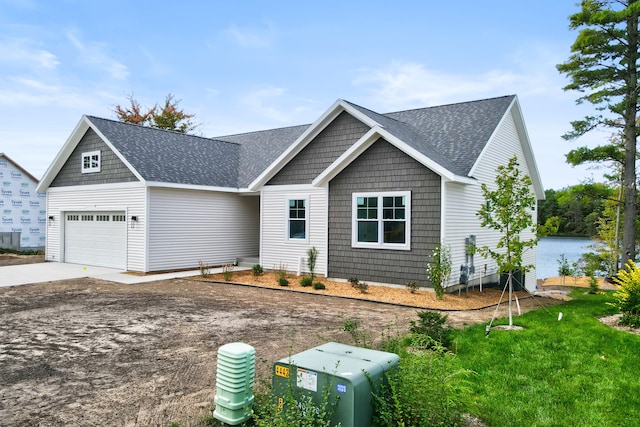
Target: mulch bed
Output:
{"points": [[423, 298]]}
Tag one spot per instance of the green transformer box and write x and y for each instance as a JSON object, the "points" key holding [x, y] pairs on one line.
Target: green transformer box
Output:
{"points": [[344, 374]]}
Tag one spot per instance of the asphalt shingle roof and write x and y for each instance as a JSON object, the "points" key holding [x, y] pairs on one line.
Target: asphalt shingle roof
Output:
{"points": [[259, 149], [165, 156], [459, 132], [452, 135]]}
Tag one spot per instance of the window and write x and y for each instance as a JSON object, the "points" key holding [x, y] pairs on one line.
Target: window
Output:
{"points": [[91, 162], [297, 219], [102, 217], [382, 220], [86, 217], [72, 217], [119, 218]]}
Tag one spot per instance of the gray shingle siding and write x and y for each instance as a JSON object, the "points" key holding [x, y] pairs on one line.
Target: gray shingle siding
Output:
{"points": [[112, 170], [384, 168], [334, 140]]}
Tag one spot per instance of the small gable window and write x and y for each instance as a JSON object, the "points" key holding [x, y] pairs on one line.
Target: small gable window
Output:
{"points": [[297, 219], [91, 162], [382, 220]]}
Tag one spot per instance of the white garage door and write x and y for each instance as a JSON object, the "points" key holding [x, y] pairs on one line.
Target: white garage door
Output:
{"points": [[96, 238]]}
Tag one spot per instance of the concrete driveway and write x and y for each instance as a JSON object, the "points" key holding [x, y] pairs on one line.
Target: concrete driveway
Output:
{"points": [[13, 275]]}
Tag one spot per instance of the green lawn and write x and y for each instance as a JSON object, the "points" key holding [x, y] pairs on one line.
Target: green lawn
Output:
{"points": [[574, 372]]}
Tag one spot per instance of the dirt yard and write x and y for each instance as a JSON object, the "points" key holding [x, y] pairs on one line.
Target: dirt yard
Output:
{"points": [[16, 259], [88, 352]]}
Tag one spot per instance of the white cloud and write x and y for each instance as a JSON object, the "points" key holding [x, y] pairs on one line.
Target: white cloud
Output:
{"points": [[270, 102], [93, 54], [19, 52], [251, 38], [408, 84]]}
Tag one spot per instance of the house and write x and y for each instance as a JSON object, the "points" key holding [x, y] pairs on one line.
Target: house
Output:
{"points": [[23, 217], [372, 192]]}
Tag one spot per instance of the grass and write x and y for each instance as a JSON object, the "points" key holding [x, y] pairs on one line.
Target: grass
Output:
{"points": [[573, 372]]}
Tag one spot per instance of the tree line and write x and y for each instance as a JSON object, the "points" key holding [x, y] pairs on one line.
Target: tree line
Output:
{"points": [[579, 208]]}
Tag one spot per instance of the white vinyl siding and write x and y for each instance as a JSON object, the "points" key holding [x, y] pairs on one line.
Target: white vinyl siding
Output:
{"points": [[462, 202], [276, 249], [127, 198], [188, 226]]}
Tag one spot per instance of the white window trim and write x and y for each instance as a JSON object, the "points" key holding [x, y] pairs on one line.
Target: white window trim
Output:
{"points": [[306, 219], [90, 154], [406, 246]]}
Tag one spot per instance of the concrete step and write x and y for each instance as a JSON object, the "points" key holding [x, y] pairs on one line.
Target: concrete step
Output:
{"points": [[248, 261]]}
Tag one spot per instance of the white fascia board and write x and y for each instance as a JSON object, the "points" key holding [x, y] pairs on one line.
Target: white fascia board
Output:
{"points": [[312, 131], [71, 143], [534, 173], [367, 140], [96, 187], [518, 118], [288, 187], [192, 187]]}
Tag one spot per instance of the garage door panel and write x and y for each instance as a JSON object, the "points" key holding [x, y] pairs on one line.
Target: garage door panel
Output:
{"points": [[96, 238]]}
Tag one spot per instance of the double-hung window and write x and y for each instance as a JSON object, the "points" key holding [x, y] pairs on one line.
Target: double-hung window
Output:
{"points": [[382, 220], [297, 219], [91, 162]]}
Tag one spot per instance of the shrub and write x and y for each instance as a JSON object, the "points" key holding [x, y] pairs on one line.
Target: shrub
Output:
{"points": [[280, 271], [257, 270], [227, 272], [564, 269], [432, 324], [412, 286], [312, 257], [627, 297], [593, 284], [306, 281], [319, 286], [205, 270], [439, 268], [357, 284], [631, 320], [282, 281]]}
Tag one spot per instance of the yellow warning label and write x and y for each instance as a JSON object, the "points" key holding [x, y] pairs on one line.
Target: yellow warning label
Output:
{"points": [[282, 371], [280, 403]]}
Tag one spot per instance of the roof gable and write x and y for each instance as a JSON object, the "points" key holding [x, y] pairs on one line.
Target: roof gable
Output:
{"points": [[448, 139], [17, 166]]}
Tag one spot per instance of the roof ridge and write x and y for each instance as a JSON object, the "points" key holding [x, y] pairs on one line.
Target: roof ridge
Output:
{"points": [[157, 129], [374, 112], [447, 105], [258, 131]]}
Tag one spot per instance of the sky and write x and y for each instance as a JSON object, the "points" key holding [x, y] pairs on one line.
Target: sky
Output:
{"points": [[242, 66]]}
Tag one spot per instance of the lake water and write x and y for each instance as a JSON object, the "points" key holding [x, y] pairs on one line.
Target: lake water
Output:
{"points": [[550, 249]]}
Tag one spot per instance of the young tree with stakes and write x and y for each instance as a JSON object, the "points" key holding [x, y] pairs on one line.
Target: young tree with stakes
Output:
{"points": [[509, 210]]}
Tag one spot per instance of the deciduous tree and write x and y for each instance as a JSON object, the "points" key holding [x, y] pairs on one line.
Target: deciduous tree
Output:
{"points": [[508, 209], [168, 117]]}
